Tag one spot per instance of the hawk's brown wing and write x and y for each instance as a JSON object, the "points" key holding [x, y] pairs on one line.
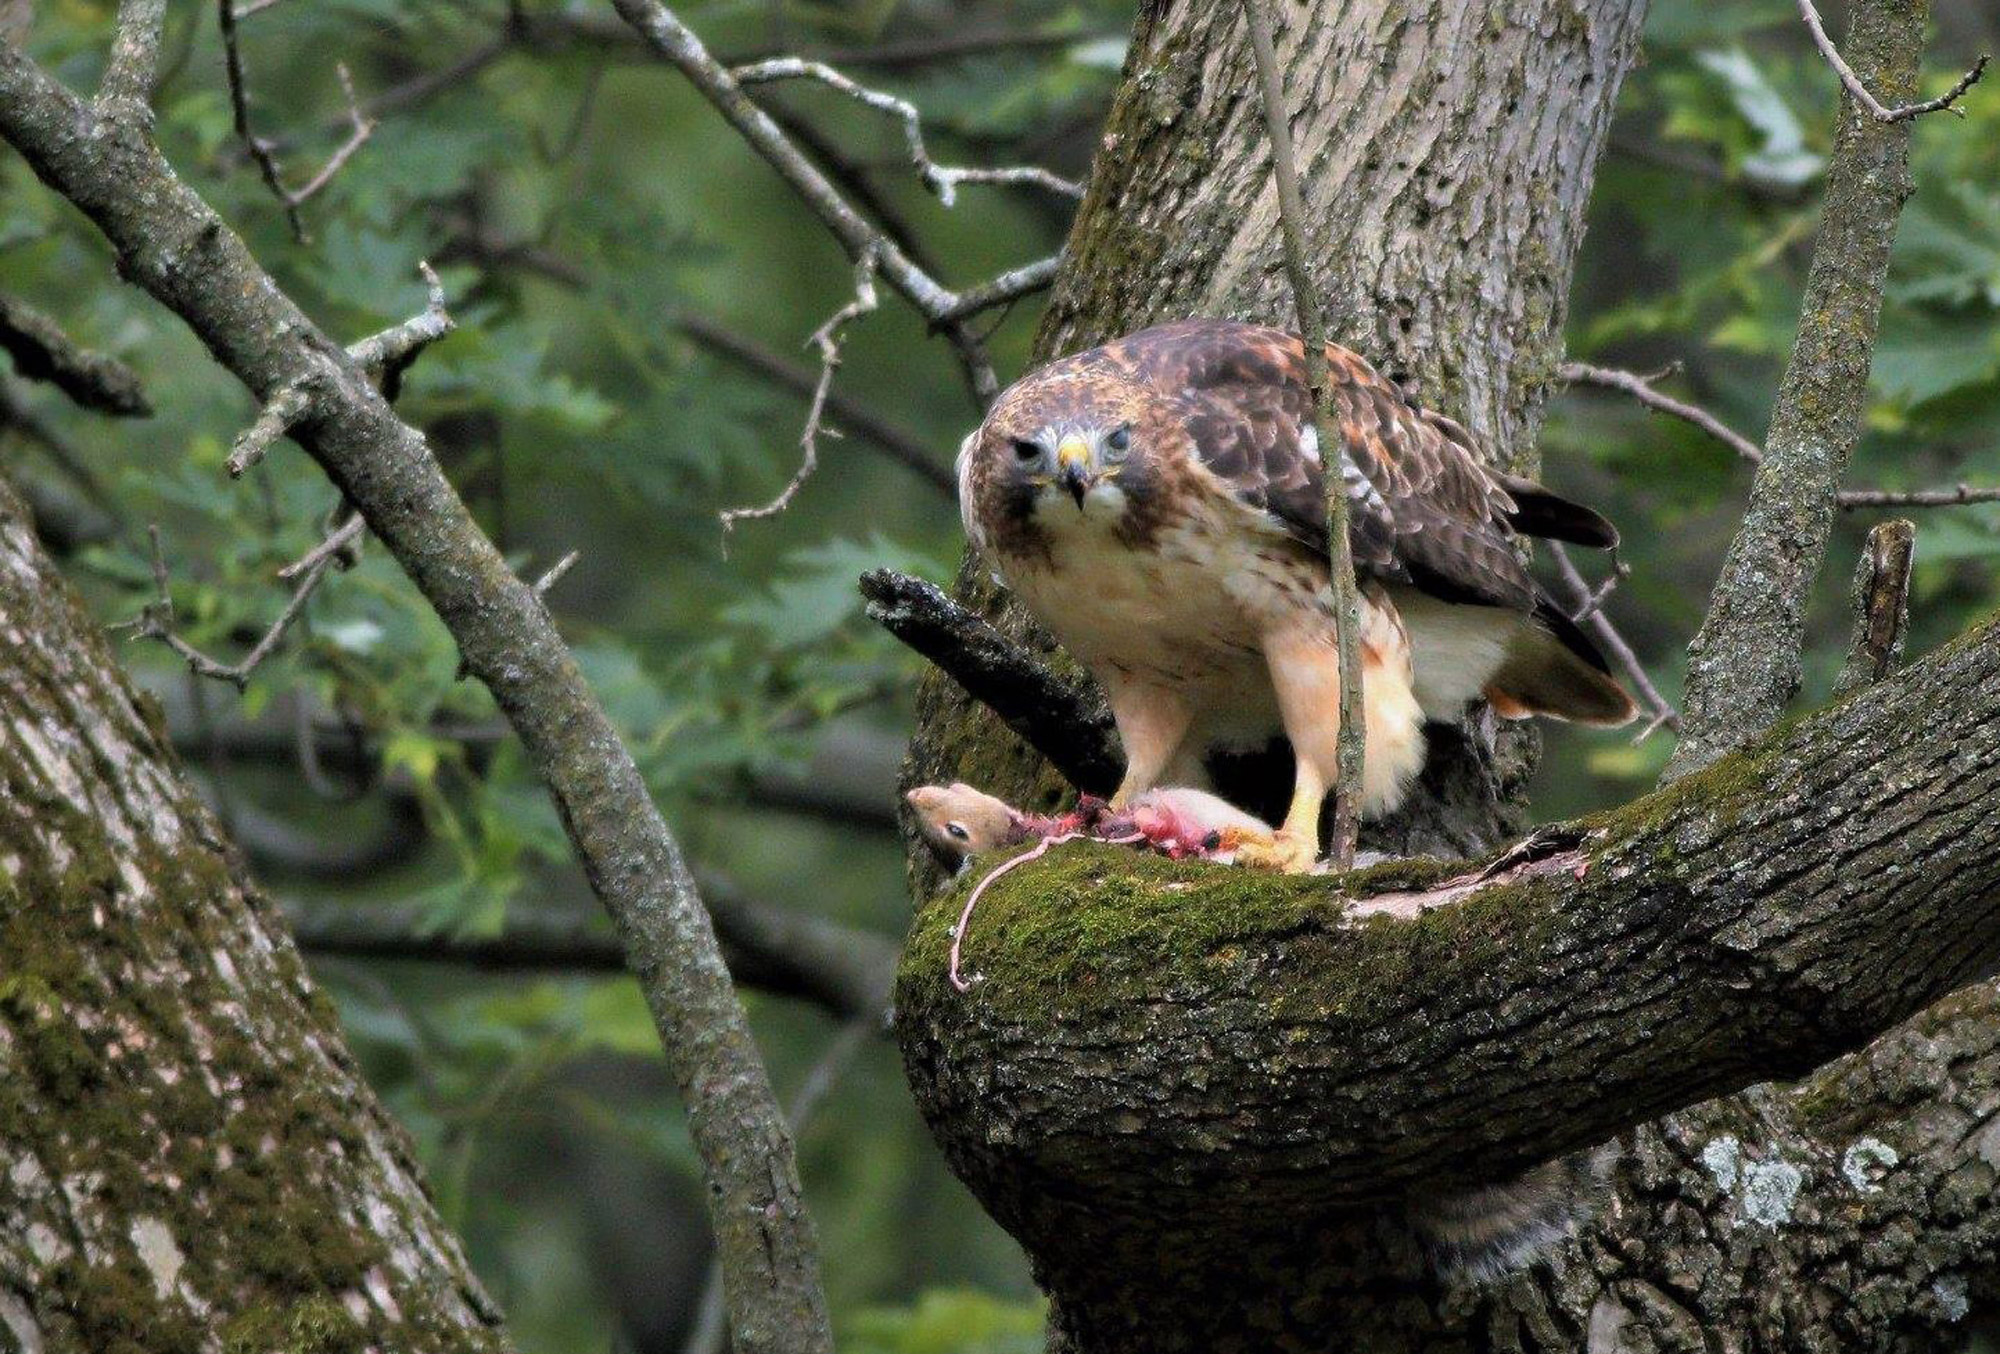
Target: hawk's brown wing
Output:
{"points": [[1422, 508]]}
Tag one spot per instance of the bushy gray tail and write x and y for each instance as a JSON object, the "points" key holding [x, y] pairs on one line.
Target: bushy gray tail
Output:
{"points": [[1482, 1233]]}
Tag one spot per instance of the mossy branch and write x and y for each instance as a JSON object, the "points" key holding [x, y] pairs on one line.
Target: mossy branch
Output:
{"points": [[1179, 1046]]}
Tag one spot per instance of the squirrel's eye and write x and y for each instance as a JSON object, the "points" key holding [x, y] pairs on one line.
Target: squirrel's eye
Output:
{"points": [[1026, 450], [957, 831], [1120, 440]]}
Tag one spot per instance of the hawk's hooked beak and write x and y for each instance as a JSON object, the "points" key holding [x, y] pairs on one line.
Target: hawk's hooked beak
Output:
{"points": [[1073, 467]]}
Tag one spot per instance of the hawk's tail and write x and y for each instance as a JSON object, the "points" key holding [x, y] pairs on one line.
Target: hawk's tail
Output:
{"points": [[1552, 668]]}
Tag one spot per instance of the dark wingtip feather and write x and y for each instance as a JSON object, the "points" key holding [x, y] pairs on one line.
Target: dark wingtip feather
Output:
{"points": [[1540, 512]]}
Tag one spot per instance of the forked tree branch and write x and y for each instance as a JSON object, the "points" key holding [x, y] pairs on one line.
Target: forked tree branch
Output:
{"points": [[174, 245], [1858, 89], [946, 310]]}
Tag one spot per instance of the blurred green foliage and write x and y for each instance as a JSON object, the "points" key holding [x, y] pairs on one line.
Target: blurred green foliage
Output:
{"points": [[579, 200]]}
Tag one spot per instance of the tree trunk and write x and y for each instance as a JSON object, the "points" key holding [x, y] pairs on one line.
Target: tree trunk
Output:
{"points": [[1447, 151], [1174, 1086], [190, 1159]]}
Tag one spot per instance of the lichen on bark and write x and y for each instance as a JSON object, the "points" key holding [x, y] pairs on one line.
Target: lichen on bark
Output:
{"points": [[189, 1158]]}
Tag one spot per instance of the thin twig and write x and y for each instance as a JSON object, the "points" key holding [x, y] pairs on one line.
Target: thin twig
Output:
{"points": [[156, 619], [677, 43], [388, 354], [1326, 426], [827, 339], [942, 180], [555, 573], [1859, 90], [360, 129], [260, 151], [1590, 612], [338, 542], [285, 411], [901, 445], [1641, 388]]}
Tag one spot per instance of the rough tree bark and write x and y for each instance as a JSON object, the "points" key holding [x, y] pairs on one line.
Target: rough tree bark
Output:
{"points": [[1191, 1096], [189, 1159]]}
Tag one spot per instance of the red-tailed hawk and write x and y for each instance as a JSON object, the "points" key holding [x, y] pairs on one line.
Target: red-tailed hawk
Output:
{"points": [[1157, 503]]}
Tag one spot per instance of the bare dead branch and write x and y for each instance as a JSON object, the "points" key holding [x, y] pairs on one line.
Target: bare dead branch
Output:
{"points": [[1056, 717], [674, 41], [388, 353], [360, 129], [1643, 390], [1917, 498], [1881, 605], [43, 352], [260, 151], [943, 180], [899, 444], [1590, 613], [555, 573], [156, 620], [1743, 666], [1326, 428], [134, 65], [1859, 90], [249, 7], [339, 542], [264, 153], [1005, 289], [916, 53], [827, 339]]}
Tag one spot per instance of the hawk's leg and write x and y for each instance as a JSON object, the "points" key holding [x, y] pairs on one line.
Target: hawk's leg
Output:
{"points": [[1304, 660], [1152, 723], [1305, 675]]}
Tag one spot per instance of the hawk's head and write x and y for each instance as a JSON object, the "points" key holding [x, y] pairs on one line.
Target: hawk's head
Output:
{"points": [[1068, 441]]}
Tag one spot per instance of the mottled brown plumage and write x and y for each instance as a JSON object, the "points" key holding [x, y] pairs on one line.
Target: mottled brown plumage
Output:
{"points": [[1158, 503]]}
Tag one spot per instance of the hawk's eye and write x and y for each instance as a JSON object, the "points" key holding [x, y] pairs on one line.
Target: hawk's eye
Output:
{"points": [[958, 832], [1026, 450], [1119, 442]]}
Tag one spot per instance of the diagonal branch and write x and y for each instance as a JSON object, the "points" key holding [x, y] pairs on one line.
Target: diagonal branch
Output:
{"points": [[942, 180], [42, 352], [1859, 90], [1326, 428], [1056, 717], [174, 245]]}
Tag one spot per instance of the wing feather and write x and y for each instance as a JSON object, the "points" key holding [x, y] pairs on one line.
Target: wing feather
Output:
{"points": [[1422, 506]]}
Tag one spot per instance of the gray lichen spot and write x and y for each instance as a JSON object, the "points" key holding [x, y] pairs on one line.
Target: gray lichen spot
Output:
{"points": [[1608, 1319], [1952, 1298], [21, 1324], [1769, 1188], [163, 1259], [1865, 1162], [1724, 1158]]}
